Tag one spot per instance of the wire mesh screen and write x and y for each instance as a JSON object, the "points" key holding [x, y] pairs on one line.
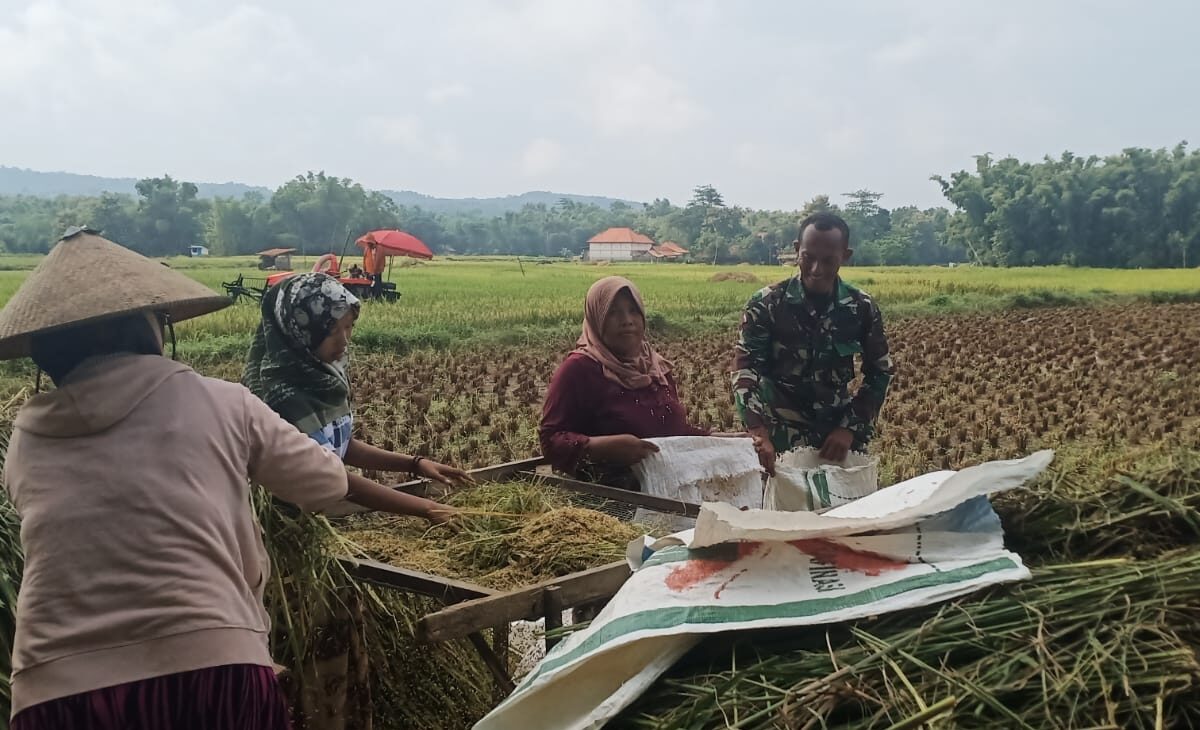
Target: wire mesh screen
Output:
{"points": [[623, 511]]}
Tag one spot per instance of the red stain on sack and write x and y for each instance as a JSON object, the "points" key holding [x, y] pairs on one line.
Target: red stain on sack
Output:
{"points": [[732, 578], [707, 563], [845, 558]]}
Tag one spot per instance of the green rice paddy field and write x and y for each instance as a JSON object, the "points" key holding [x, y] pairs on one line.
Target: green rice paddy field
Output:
{"points": [[455, 303]]}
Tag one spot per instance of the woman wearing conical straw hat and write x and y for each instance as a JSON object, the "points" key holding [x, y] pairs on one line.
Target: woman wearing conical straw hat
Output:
{"points": [[141, 603]]}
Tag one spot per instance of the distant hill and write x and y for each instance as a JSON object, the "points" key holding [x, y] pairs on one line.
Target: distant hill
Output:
{"points": [[495, 206], [18, 181]]}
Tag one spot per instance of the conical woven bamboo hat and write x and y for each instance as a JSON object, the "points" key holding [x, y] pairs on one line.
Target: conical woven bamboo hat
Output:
{"points": [[86, 278]]}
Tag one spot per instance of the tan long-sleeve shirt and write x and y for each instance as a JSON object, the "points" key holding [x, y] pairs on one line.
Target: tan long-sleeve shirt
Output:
{"points": [[142, 553]]}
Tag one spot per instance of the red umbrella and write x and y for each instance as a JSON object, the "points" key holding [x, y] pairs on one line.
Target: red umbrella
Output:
{"points": [[396, 243]]}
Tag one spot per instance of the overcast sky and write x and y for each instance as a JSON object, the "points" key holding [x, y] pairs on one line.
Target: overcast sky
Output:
{"points": [[771, 102]]}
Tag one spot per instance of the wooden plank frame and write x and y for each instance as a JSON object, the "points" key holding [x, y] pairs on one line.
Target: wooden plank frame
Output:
{"points": [[448, 591], [524, 468], [470, 608], [524, 604], [661, 504]]}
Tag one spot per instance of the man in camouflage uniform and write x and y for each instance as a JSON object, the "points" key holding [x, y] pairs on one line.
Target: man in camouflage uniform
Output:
{"points": [[795, 353]]}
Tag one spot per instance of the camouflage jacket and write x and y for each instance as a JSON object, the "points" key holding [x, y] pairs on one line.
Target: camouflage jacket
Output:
{"points": [[794, 365]]}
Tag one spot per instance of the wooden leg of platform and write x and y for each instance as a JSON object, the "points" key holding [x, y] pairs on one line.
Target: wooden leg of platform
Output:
{"points": [[495, 665], [553, 603]]}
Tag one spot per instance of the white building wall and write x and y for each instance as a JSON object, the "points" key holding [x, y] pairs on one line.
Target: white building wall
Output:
{"points": [[615, 251]]}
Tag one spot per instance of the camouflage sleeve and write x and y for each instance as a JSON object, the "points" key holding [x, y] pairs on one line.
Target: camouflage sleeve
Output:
{"points": [[750, 361], [878, 371]]}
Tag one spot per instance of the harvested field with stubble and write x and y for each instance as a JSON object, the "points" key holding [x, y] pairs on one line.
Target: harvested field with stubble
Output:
{"points": [[970, 388]]}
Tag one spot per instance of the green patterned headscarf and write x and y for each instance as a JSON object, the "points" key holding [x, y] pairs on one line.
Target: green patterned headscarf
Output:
{"points": [[282, 368]]}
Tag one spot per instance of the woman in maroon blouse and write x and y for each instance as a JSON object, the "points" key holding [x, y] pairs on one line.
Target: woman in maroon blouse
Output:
{"points": [[611, 392]]}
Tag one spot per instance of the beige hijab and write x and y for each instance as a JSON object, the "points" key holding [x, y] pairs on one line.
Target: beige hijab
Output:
{"points": [[648, 367]]}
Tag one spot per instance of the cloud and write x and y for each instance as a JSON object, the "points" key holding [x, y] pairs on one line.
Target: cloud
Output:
{"points": [[21, 53], [51, 48], [638, 100], [408, 133], [621, 97], [448, 92], [540, 29], [402, 130], [907, 50], [752, 156], [445, 148], [247, 50], [541, 156], [846, 140]]}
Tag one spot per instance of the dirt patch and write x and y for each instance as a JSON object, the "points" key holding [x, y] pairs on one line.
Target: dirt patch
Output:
{"points": [[744, 277]]}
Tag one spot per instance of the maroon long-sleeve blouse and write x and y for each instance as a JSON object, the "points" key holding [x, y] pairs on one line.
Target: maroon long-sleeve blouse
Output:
{"points": [[581, 402]]}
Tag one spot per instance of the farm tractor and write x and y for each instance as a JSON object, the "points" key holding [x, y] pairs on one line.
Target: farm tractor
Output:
{"points": [[365, 282]]}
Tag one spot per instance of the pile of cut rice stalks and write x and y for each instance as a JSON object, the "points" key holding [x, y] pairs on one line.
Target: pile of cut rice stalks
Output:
{"points": [[12, 564], [507, 535], [1105, 635], [349, 648], [331, 631]]}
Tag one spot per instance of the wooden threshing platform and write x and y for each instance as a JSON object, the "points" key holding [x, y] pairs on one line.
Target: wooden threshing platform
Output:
{"points": [[471, 609]]}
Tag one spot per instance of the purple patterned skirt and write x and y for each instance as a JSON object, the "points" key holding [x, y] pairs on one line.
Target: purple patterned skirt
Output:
{"points": [[233, 697]]}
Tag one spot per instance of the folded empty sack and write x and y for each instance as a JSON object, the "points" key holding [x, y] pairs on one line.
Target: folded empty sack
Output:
{"points": [[803, 481]]}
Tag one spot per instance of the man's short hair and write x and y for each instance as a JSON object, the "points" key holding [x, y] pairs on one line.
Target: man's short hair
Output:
{"points": [[824, 222]]}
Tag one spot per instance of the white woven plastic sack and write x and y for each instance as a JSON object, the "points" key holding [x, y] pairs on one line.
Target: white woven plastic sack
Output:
{"points": [[773, 569], [888, 509], [804, 481], [698, 469]]}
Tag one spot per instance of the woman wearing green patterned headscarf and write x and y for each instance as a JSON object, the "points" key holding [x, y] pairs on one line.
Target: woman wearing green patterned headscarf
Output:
{"points": [[297, 366]]}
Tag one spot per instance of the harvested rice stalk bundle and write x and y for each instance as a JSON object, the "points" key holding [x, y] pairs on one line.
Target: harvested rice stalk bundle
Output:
{"points": [[571, 539], [11, 566], [508, 535], [415, 686], [508, 578], [12, 563], [404, 549], [490, 514], [481, 543], [331, 631], [407, 543], [1098, 504], [1086, 645], [509, 498]]}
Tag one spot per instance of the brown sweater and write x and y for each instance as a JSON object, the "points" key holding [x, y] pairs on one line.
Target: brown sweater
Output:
{"points": [[142, 553]]}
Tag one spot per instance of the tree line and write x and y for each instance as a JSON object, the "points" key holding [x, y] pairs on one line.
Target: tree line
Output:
{"points": [[1139, 208], [1136, 208]]}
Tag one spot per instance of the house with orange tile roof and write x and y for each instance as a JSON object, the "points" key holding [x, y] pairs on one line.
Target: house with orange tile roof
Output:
{"points": [[619, 244], [669, 251]]}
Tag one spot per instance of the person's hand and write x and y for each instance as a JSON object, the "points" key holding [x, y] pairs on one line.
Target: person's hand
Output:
{"points": [[443, 474], [625, 449], [837, 445], [441, 514], [761, 443], [765, 449]]}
